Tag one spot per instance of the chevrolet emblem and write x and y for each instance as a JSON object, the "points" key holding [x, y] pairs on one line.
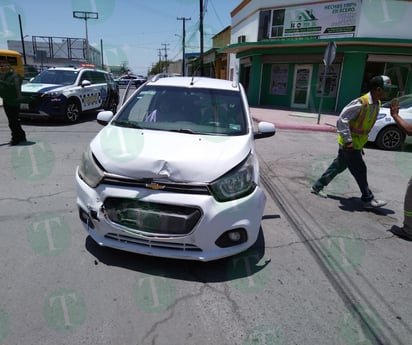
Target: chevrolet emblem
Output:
{"points": [[155, 186]]}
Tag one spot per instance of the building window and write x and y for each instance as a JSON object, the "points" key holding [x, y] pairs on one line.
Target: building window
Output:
{"points": [[279, 79], [331, 80], [278, 18], [264, 20], [271, 24]]}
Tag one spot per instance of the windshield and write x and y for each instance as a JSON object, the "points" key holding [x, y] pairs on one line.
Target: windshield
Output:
{"points": [[187, 110], [58, 77]]}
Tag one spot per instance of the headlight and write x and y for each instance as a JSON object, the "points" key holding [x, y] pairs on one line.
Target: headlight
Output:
{"points": [[89, 171], [237, 183], [53, 94]]}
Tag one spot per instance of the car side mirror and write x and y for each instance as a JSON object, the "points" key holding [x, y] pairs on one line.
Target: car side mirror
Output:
{"points": [[104, 117], [85, 83], [264, 130]]}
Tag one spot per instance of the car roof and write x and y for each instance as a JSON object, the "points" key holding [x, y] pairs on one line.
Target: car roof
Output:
{"points": [[75, 69], [196, 82]]}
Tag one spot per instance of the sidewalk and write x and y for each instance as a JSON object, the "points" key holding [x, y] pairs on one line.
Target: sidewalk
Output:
{"points": [[292, 119]]}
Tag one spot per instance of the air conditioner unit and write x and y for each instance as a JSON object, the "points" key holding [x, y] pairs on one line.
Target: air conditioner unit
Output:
{"points": [[241, 39]]}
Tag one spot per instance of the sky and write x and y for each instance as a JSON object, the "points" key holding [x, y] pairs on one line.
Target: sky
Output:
{"points": [[132, 31]]}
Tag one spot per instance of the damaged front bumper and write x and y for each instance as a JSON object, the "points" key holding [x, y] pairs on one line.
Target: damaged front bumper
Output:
{"points": [[169, 224]]}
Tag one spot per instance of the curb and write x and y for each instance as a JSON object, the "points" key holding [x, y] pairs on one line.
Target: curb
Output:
{"points": [[318, 128]]}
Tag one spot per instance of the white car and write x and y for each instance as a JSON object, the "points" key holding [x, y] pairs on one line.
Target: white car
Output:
{"points": [[175, 172], [385, 133]]}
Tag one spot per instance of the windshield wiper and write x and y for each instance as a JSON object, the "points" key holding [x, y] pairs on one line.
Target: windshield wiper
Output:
{"points": [[126, 124], [185, 130]]}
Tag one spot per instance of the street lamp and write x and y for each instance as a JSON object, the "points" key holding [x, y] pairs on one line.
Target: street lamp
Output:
{"points": [[86, 15]]}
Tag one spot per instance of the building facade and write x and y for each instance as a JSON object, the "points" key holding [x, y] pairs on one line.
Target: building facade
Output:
{"points": [[279, 50]]}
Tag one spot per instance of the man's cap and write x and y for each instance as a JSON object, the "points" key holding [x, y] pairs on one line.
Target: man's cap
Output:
{"points": [[382, 81]]}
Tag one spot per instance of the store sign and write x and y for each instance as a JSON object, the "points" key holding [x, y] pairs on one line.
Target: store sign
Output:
{"points": [[325, 20]]}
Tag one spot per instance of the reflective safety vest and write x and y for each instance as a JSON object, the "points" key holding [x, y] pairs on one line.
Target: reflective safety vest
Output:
{"points": [[362, 125]]}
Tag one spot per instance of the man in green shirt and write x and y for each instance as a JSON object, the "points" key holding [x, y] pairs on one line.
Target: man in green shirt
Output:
{"points": [[10, 84]]}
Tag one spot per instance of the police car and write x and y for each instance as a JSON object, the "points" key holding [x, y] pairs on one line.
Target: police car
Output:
{"points": [[67, 92]]}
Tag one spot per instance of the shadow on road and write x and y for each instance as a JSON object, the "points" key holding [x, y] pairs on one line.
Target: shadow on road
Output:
{"points": [[242, 265]]}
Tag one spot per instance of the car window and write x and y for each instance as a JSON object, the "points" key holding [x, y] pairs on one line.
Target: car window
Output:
{"points": [[205, 111], [60, 77], [97, 77]]}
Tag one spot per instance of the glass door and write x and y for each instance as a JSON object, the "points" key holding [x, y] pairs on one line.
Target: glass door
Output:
{"points": [[301, 86]]}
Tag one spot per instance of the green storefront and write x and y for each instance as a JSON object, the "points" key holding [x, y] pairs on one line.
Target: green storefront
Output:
{"points": [[289, 73]]}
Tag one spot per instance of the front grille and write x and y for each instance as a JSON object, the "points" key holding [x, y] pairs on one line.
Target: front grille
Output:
{"points": [[168, 187], [34, 101], [151, 218], [153, 244]]}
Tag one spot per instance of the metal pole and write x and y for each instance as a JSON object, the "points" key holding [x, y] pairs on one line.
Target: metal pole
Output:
{"points": [[86, 16], [22, 41], [201, 38], [184, 43], [325, 73], [87, 40], [101, 52]]}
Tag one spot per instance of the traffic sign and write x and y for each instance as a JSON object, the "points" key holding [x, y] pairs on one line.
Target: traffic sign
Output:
{"points": [[330, 53]]}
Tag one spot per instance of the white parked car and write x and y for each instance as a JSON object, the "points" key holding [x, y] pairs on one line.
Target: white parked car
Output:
{"points": [[385, 133], [175, 172]]}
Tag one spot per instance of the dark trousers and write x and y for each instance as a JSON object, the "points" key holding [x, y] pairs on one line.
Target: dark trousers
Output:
{"points": [[12, 113], [354, 162]]}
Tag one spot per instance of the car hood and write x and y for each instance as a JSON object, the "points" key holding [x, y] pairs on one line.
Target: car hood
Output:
{"points": [[41, 88], [177, 157]]}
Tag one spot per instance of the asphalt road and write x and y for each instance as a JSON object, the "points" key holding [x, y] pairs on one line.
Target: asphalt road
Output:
{"points": [[324, 271]]}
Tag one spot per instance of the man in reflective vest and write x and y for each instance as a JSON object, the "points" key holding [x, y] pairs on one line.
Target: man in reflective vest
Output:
{"points": [[406, 231], [353, 126]]}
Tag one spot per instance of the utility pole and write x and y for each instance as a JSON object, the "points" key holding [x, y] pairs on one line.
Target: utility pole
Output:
{"points": [[184, 43], [165, 49], [86, 16], [22, 42], [201, 38], [101, 52], [160, 60]]}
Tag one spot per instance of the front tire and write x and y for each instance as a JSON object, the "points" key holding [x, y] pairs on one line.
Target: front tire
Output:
{"points": [[390, 138], [112, 106], [73, 111]]}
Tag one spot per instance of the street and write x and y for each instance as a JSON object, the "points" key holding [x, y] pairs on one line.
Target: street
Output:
{"points": [[323, 271]]}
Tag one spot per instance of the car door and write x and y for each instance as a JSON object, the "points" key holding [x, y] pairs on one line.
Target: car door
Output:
{"points": [[90, 94]]}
